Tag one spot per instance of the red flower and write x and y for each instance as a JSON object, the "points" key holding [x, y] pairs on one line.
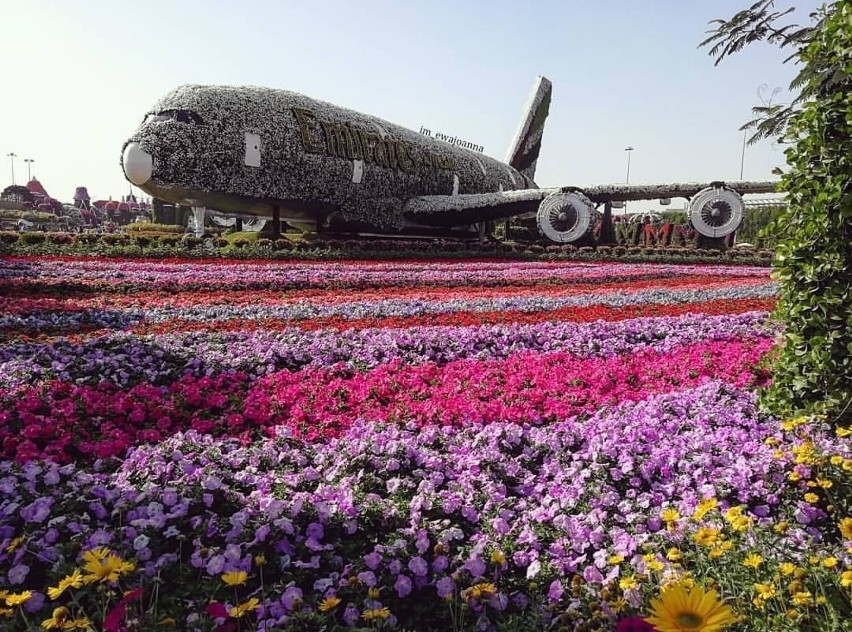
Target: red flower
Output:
{"points": [[634, 624]]}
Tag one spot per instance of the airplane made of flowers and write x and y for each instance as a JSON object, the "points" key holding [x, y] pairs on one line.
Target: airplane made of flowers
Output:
{"points": [[251, 151]]}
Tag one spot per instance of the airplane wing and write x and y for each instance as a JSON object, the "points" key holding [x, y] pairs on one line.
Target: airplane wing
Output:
{"points": [[448, 210], [470, 208]]}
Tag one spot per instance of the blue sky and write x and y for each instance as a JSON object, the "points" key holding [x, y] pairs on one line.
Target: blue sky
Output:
{"points": [[624, 73]]}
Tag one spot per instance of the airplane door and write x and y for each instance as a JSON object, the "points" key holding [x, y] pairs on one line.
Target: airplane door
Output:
{"points": [[252, 158]]}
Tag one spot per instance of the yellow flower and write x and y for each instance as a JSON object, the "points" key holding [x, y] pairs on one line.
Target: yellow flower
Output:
{"points": [[787, 568], [792, 613], [615, 560], [733, 512], [670, 514], [846, 528], [674, 577], [802, 598], [328, 604], [781, 528], [6, 612], [830, 562], [720, 548], [479, 591], [654, 565], [628, 583], [58, 620], [497, 557], [846, 579], [102, 565], [375, 613], [374, 593], [240, 609], [97, 553], [705, 507], [706, 536], [753, 560], [74, 580], [811, 498], [765, 591], [235, 578], [14, 544], [741, 523], [18, 599], [79, 624], [679, 609], [260, 560], [790, 424], [847, 465], [674, 554], [844, 432], [824, 483], [836, 459]]}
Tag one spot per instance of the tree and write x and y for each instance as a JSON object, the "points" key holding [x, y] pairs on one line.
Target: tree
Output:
{"points": [[813, 259]]}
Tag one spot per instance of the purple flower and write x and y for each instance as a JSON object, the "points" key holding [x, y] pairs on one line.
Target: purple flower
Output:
{"points": [[402, 586], [475, 567], [372, 560], [555, 591], [445, 587], [291, 595], [18, 573], [418, 566]]}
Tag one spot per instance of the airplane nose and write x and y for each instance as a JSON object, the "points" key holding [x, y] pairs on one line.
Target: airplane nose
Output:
{"points": [[138, 164]]}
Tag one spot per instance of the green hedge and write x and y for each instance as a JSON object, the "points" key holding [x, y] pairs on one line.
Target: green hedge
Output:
{"points": [[126, 245]]}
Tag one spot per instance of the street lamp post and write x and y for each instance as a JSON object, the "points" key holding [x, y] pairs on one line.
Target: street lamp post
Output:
{"points": [[12, 160], [29, 162], [629, 151]]}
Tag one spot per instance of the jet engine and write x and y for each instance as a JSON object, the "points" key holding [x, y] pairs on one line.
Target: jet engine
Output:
{"points": [[566, 217], [716, 211]]}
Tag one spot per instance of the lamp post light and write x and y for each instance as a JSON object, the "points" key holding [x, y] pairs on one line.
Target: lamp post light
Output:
{"points": [[629, 150], [29, 162], [12, 160]]}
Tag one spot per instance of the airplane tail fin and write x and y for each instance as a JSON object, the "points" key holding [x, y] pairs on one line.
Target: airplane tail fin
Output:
{"points": [[523, 153]]}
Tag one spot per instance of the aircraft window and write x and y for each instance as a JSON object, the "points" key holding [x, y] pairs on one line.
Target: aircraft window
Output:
{"points": [[181, 116]]}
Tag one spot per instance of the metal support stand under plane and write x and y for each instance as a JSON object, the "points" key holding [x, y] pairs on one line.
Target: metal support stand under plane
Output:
{"points": [[199, 213], [276, 222]]}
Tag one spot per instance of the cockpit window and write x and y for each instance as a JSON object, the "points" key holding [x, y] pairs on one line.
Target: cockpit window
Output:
{"points": [[181, 116]]}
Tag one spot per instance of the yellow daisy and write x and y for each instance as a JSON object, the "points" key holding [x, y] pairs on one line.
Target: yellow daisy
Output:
{"points": [[18, 599], [670, 514], [102, 565], [846, 528], [58, 620], [74, 580], [329, 603], [753, 560], [235, 578], [241, 609], [375, 613], [681, 610], [628, 583]]}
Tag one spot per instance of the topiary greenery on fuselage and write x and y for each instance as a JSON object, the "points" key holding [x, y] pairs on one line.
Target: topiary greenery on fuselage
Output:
{"points": [[813, 260]]}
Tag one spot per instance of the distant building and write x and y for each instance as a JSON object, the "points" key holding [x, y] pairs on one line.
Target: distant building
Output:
{"points": [[81, 198]]}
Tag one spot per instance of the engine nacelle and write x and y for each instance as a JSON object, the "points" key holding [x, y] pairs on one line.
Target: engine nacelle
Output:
{"points": [[716, 211], [566, 217]]}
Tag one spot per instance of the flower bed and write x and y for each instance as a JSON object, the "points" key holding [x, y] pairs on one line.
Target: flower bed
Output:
{"points": [[422, 446]]}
